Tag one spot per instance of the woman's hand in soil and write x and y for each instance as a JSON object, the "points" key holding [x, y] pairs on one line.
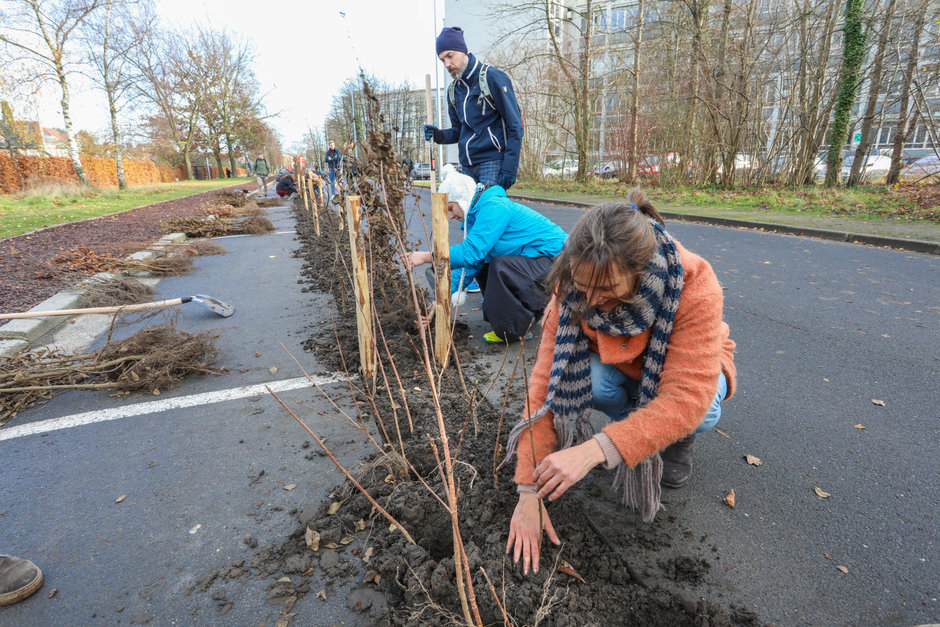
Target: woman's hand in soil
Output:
{"points": [[416, 258], [562, 469], [525, 535]]}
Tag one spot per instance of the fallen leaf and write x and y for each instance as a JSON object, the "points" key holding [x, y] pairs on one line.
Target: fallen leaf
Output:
{"points": [[417, 389], [290, 486], [283, 622], [312, 539], [377, 578], [843, 569], [369, 576], [368, 555], [392, 528], [333, 508], [322, 594], [569, 570], [346, 540], [825, 379], [54, 590], [289, 605], [257, 353], [284, 580], [309, 571], [875, 401], [828, 557], [390, 479], [359, 525], [272, 370], [722, 433], [859, 426], [820, 493], [753, 460], [331, 545], [729, 500], [156, 391], [120, 498]]}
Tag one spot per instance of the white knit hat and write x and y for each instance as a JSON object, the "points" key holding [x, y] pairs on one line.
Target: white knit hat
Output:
{"points": [[459, 188]]}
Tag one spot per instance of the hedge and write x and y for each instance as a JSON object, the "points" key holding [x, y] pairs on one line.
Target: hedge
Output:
{"points": [[16, 171]]}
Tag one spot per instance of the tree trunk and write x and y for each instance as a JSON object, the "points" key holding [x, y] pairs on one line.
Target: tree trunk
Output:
{"points": [[187, 163], [583, 99], [231, 151], [852, 58], [635, 96], [118, 149], [73, 145], [906, 126], [874, 91]]}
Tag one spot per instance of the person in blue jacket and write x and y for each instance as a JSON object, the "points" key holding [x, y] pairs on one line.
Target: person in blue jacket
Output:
{"points": [[508, 248], [333, 161], [485, 120]]}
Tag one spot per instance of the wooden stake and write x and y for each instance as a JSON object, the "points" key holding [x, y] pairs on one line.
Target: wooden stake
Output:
{"points": [[303, 191], [430, 115], [361, 286], [441, 257], [313, 204]]}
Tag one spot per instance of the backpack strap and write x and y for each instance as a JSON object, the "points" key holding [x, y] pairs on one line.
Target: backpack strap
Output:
{"points": [[452, 94], [485, 93]]}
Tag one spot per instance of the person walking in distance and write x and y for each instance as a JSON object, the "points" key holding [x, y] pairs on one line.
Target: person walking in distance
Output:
{"points": [[261, 171], [333, 161], [485, 120]]}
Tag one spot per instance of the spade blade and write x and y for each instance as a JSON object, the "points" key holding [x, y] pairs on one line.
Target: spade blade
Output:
{"points": [[213, 304]]}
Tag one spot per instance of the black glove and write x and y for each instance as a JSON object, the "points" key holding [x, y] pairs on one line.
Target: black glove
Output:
{"points": [[433, 131], [505, 180]]}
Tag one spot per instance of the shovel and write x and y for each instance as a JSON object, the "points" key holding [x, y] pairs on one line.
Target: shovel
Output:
{"points": [[212, 304]]}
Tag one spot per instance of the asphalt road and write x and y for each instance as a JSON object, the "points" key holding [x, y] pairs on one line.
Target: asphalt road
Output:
{"points": [[822, 329]]}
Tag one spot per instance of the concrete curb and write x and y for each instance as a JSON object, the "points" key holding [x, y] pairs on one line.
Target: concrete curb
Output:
{"points": [[913, 245], [17, 335]]}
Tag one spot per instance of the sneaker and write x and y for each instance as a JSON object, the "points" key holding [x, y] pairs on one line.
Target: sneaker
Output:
{"points": [[677, 462], [19, 578], [473, 288], [492, 338]]}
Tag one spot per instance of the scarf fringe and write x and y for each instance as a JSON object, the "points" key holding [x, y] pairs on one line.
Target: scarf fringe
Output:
{"points": [[640, 488]]}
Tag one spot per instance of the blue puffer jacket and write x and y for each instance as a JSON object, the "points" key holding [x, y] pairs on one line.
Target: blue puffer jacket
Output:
{"points": [[482, 132], [497, 226]]}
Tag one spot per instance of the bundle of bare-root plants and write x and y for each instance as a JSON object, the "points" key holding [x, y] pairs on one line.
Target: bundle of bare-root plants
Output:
{"points": [[150, 361], [420, 526], [234, 215]]}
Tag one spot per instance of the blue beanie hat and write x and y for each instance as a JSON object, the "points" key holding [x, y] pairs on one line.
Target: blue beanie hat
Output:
{"points": [[451, 38]]}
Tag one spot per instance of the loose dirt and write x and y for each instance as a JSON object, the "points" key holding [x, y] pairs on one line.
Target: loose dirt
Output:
{"points": [[399, 583]]}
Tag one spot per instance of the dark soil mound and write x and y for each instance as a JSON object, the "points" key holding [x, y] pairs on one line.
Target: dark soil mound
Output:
{"points": [[405, 584]]}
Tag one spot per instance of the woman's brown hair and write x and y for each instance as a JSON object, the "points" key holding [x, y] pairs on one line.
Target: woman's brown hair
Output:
{"points": [[613, 235]]}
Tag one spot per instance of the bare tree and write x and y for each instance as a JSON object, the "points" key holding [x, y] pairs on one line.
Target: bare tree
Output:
{"points": [[41, 30], [853, 55], [906, 118], [111, 37]]}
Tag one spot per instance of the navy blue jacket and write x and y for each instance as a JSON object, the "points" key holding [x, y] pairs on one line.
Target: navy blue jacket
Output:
{"points": [[481, 132], [333, 158]]}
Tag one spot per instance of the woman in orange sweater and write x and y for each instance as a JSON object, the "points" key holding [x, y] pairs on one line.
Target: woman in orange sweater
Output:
{"points": [[634, 329]]}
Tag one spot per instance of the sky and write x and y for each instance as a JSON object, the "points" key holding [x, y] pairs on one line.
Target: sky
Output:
{"points": [[305, 52]]}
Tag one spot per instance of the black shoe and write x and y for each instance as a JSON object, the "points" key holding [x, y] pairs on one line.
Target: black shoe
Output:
{"points": [[677, 462], [19, 578]]}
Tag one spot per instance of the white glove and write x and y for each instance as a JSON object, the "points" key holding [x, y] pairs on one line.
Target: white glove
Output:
{"points": [[458, 298]]}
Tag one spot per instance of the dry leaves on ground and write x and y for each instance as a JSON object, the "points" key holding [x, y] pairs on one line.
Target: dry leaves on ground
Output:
{"points": [[880, 403], [729, 500], [753, 460], [821, 493]]}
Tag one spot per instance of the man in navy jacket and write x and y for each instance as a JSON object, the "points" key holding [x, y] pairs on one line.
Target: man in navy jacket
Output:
{"points": [[486, 123]]}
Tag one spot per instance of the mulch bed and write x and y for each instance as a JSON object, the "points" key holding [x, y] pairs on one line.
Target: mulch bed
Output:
{"points": [[25, 259]]}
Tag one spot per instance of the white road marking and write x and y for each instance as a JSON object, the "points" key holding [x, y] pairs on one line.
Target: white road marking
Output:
{"points": [[127, 411]]}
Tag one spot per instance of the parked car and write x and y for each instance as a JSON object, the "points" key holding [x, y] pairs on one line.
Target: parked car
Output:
{"points": [[875, 166], [742, 163], [567, 169], [421, 172], [606, 170], [925, 166]]}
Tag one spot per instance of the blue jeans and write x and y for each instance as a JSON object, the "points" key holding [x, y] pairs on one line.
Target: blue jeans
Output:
{"points": [[486, 172], [332, 181], [617, 394]]}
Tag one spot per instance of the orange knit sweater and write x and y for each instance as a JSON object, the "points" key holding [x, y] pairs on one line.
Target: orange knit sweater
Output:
{"points": [[699, 349]]}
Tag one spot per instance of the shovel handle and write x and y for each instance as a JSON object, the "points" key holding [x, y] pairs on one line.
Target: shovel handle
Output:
{"points": [[160, 304]]}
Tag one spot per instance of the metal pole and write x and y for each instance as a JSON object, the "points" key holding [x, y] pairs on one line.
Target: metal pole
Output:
{"points": [[437, 96]]}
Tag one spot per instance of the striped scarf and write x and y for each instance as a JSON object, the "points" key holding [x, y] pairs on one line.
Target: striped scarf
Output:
{"points": [[569, 385]]}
